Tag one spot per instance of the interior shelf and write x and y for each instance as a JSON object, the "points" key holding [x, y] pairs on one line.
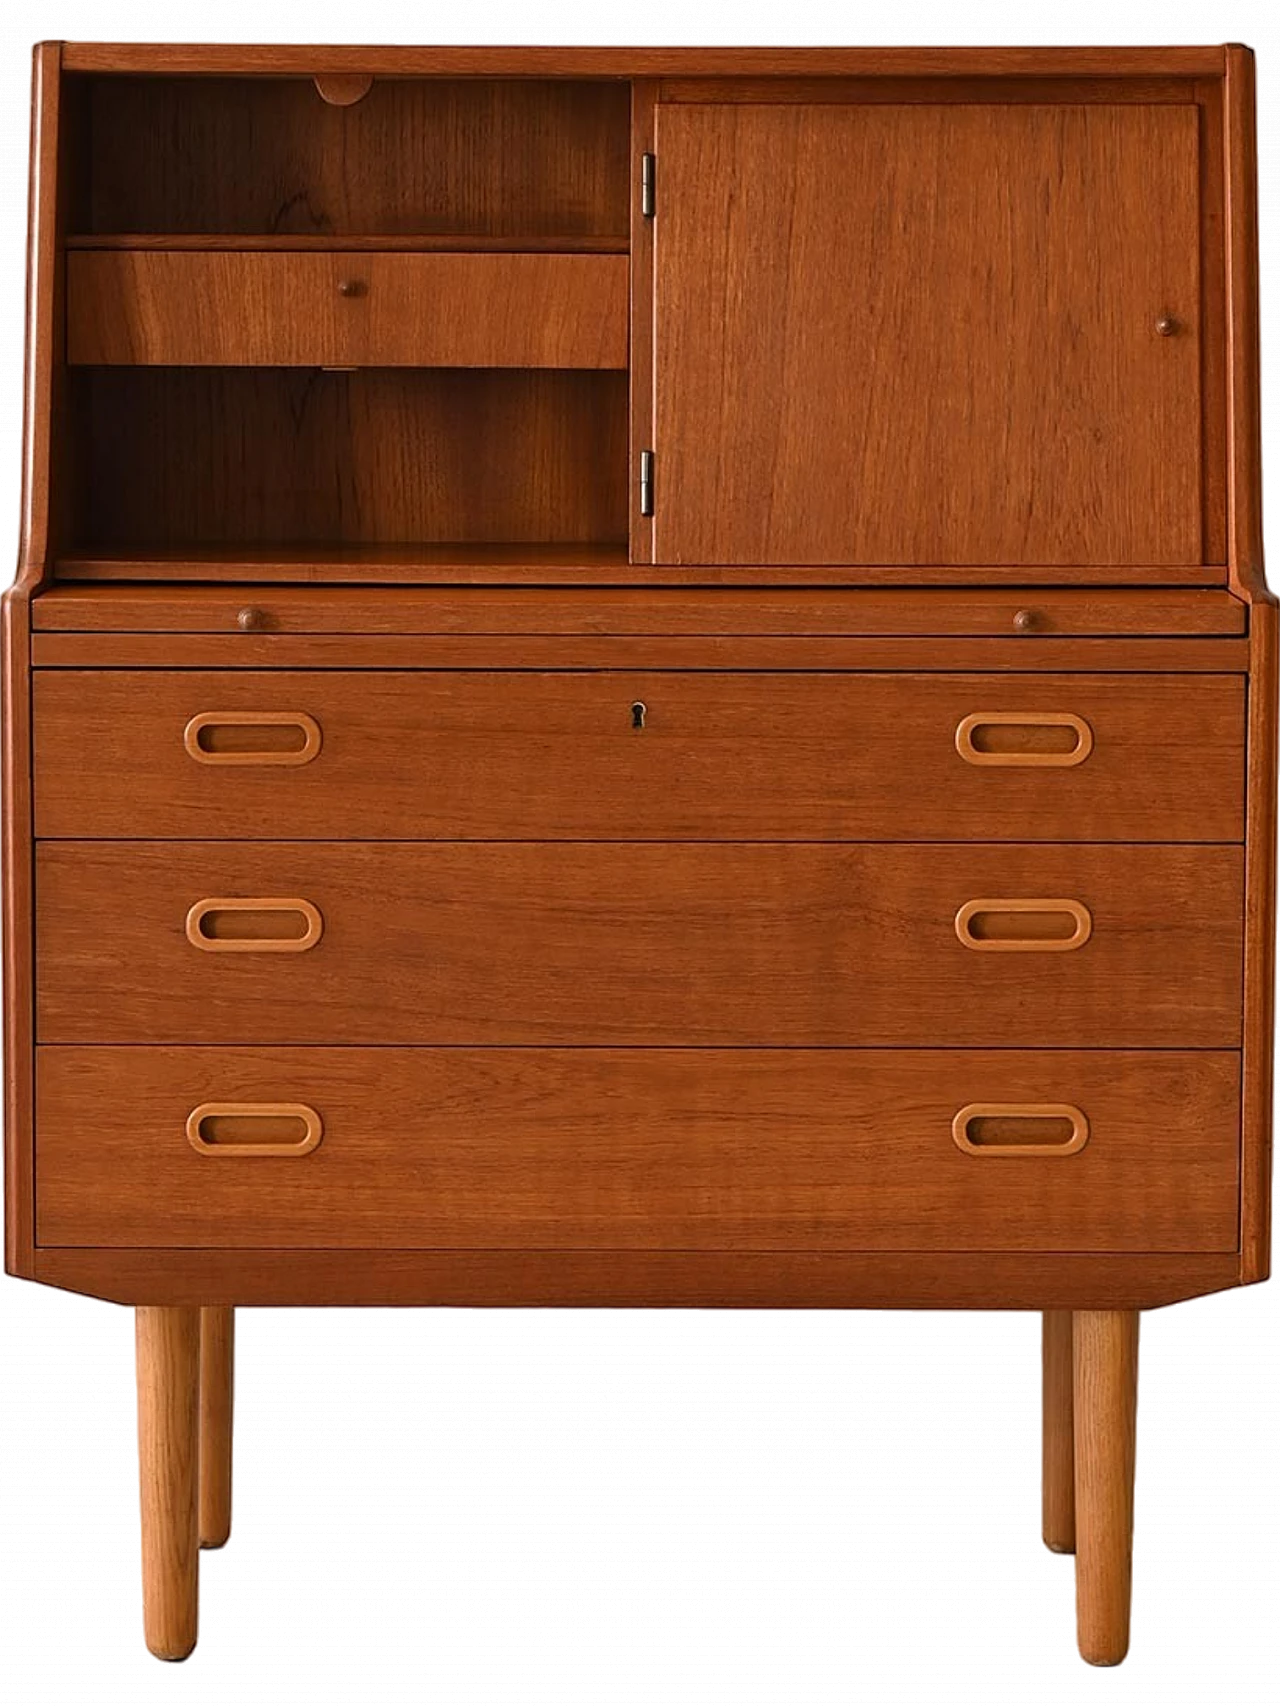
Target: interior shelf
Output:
{"points": [[413, 242], [409, 561]]}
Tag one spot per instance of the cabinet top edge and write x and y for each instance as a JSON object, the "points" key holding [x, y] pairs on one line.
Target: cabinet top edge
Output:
{"points": [[627, 62]]}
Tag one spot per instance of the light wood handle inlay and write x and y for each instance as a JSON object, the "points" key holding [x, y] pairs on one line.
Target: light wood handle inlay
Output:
{"points": [[1014, 925], [254, 924], [1057, 738], [1020, 1129], [252, 738], [254, 1129]]}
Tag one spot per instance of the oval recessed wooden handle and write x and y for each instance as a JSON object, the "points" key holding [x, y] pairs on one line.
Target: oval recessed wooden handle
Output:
{"points": [[1057, 738], [1019, 924], [254, 1129], [252, 738], [1020, 1129], [254, 924]]}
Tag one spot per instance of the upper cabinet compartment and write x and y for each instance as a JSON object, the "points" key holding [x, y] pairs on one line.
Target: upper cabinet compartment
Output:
{"points": [[345, 318], [350, 222], [955, 332], [472, 163]]}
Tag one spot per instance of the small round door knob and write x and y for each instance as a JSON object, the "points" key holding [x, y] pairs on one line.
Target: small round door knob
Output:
{"points": [[1167, 326], [251, 618], [351, 287], [1025, 621]]}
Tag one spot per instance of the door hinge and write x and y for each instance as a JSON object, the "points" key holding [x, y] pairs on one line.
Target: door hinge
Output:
{"points": [[648, 178], [646, 482]]}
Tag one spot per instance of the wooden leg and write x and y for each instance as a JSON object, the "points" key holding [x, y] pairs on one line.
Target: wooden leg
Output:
{"points": [[1058, 1434], [1106, 1405], [168, 1454], [217, 1391]]}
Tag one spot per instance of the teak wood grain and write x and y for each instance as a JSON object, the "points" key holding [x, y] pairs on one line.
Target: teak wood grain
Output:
{"points": [[467, 157], [263, 60], [168, 1357], [759, 1280], [522, 654], [128, 607], [678, 943], [719, 757], [1260, 945], [217, 1404], [1057, 1426], [277, 242], [1105, 1404], [378, 310], [679, 1149], [581, 563], [383, 454], [44, 401], [1044, 421], [979, 88], [1244, 411]]}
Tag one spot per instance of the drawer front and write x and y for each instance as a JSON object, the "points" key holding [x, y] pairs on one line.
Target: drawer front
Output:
{"points": [[638, 756], [182, 309], [677, 1149], [683, 943]]}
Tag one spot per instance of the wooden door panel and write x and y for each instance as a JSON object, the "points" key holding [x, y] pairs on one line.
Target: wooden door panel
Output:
{"points": [[928, 335]]}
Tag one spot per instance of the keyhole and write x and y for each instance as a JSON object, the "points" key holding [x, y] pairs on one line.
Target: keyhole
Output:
{"points": [[638, 711]]}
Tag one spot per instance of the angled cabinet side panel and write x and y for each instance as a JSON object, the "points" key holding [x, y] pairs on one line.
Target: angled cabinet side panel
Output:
{"points": [[37, 540]]}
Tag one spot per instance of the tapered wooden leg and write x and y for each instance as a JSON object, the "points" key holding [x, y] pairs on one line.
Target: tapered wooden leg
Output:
{"points": [[217, 1390], [168, 1454], [1106, 1406], [1058, 1434]]}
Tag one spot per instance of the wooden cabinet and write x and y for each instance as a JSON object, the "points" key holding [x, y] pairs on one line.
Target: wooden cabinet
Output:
{"points": [[640, 678]]}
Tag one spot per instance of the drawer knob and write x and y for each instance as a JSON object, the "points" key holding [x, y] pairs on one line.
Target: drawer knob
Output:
{"points": [[250, 620], [1056, 738], [254, 924], [252, 738], [1168, 326], [342, 89], [1026, 621], [352, 287], [254, 1129], [1014, 925], [1020, 1129]]}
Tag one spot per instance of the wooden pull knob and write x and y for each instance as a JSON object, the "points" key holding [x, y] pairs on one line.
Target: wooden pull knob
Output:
{"points": [[1167, 326], [351, 287], [1025, 621], [341, 90], [251, 618]]}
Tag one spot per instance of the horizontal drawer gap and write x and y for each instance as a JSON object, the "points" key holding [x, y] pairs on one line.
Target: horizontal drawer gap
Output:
{"points": [[665, 1048], [437, 842]]}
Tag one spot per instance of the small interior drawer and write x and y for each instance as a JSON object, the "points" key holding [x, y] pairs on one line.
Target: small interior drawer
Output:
{"points": [[249, 309], [563, 1149]]}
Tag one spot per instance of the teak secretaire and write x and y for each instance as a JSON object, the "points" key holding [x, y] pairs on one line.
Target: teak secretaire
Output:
{"points": [[640, 677]]}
